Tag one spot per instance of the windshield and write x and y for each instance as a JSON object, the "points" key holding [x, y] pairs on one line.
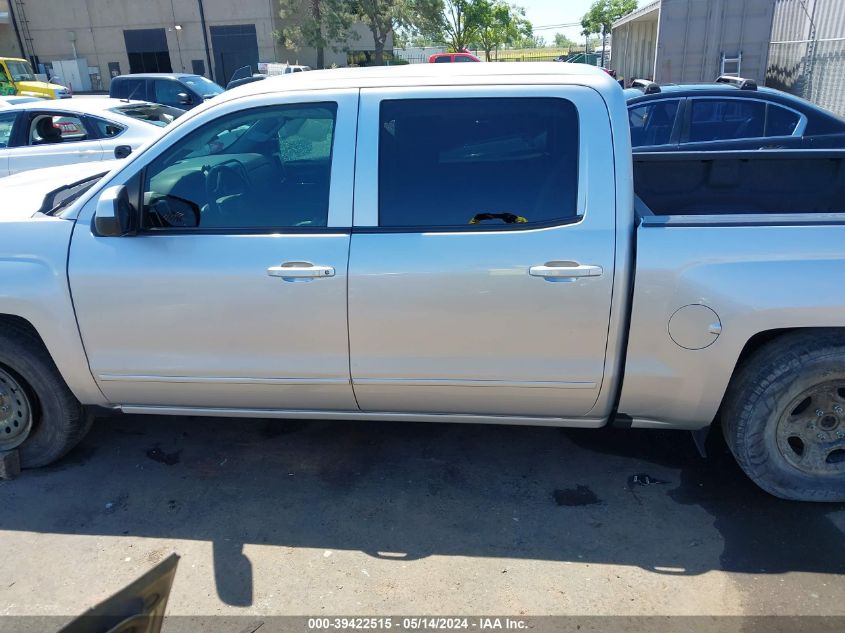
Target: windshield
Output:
{"points": [[154, 113], [202, 86], [20, 70]]}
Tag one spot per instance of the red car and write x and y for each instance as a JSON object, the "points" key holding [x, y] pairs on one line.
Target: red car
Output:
{"points": [[463, 56]]}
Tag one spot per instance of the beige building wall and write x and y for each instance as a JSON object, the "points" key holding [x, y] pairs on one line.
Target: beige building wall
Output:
{"points": [[8, 42], [93, 29]]}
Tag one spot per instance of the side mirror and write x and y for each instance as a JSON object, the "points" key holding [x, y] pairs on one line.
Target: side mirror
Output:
{"points": [[185, 98], [114, 215], [122, 151]]}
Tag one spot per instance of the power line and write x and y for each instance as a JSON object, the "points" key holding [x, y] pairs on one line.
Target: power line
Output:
{"points": [[547, 27]]}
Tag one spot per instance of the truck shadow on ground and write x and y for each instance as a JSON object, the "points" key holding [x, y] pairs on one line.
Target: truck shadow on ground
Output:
{"points": [[407, 491]]}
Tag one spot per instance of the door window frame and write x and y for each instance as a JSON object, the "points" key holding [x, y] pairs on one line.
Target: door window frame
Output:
{"points": [[342, 169], [366, 202]]}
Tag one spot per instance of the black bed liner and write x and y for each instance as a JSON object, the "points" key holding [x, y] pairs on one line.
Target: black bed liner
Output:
{"points": [[738, 183]]}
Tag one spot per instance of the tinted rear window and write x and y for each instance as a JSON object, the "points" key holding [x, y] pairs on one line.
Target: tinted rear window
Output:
{"points": [[129, 88], [477, 162]]}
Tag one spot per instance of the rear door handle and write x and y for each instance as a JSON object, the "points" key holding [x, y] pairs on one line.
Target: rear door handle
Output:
{"points": [[554, 271], [300, 270]]}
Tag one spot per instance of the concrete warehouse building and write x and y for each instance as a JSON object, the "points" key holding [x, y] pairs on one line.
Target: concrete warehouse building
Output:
{"points": [[687, 41], [86, 42], [793, 45]]}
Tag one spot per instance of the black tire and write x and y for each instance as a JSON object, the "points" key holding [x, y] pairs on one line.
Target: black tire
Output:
{"points": [[58, 420], [760, 405]]}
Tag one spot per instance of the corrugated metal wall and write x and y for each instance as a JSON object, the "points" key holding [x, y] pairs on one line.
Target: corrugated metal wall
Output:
{"points": [[632, 53], [807, 51], [693, 35]]}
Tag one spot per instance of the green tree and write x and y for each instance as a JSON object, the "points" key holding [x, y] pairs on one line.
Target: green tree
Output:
{"points": [[320, 24], [531, 41], [383, 17], [561, 41], [499, 24], [602, 14], [458, 24]]}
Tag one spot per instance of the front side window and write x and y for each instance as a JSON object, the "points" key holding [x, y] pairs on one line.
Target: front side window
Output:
{"points": [[477, 163], [21, 71], [64, 128], [726, 119], [6, 86], [7, 122], [652, 123], [169, 92], [257, 169], [442, 59]]}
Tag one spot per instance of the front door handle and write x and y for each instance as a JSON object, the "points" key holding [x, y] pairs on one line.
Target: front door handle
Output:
{"points": [[563, 271], [300, 270]]}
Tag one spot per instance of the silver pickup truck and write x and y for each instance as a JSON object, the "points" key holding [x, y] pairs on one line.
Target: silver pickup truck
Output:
{"points": [[425, 243]]}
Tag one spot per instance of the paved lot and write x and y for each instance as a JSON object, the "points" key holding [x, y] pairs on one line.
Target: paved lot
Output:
{"points": [[278, 517]]}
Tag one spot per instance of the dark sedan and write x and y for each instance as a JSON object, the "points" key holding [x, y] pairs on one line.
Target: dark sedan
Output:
{"points": [[732, 114]]}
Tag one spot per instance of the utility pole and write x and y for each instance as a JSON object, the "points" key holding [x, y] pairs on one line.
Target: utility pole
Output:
{"points": [[15, 27]]}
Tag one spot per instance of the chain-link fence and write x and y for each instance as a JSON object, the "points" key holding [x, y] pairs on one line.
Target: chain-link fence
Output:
{"points": [[807, 51]]}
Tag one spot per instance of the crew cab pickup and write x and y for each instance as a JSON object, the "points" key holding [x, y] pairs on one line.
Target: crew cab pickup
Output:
{"points": [[457, 243]]}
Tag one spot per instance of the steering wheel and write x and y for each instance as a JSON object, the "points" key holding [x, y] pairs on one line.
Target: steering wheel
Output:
{"points": [[221, 181]]}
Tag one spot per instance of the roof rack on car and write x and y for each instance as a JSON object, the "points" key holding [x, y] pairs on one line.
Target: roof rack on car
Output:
{"points": [[648, 87], [739, 82]]}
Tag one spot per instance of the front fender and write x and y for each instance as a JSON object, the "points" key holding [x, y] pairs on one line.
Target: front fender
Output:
{"points": [[34, 287]]}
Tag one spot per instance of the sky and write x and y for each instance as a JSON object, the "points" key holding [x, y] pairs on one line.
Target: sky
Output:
{"points": [[549, 12]]}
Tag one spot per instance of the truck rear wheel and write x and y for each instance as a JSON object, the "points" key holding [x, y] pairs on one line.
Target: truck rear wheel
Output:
{"points": [[39, 415], [784, 416]]}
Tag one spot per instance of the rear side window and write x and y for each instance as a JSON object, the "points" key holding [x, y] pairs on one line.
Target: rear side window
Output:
{"points": [[726, 119], [477, 163], [130, 89], [780, 121], [651, 124], [106, 129]]}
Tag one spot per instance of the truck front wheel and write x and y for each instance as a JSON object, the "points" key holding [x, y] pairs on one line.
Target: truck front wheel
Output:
{"points": [[39, 415], [784, 416]]}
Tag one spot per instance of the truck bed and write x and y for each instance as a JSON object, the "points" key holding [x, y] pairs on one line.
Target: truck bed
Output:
{"points": [[730, 246], [740, 183]]}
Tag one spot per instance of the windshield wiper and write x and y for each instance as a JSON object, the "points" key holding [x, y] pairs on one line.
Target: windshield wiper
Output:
{"points": [[51, 207]]}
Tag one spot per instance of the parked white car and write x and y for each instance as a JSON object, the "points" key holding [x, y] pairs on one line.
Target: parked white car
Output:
{"points": [[36, 190], [50, 133]]}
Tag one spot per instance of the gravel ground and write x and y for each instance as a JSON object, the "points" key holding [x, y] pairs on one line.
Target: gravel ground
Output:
{"points": [[314, 518]]}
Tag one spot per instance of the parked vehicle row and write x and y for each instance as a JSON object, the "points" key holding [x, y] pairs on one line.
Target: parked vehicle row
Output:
{"points": [[44, 133], [18, 78], [177, 90], [283, 252]]}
